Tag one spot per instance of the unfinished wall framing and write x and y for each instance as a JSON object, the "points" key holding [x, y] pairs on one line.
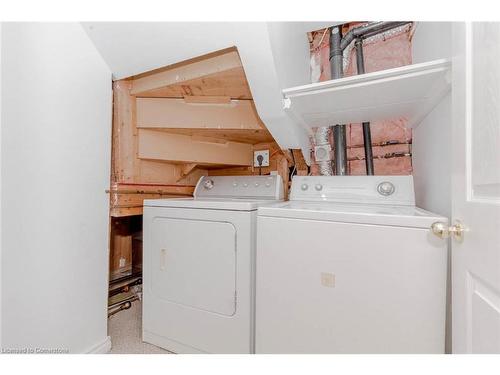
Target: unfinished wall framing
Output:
{"points": [[175, 124]]}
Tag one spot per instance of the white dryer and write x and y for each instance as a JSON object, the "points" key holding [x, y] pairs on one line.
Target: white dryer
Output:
{"points": [[349, 265], [199, 265]]}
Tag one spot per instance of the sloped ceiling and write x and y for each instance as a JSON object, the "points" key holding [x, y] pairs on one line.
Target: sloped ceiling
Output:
{"points": [[274, 55]]}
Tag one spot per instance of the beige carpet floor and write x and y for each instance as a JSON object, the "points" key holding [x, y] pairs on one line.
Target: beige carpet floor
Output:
{"points": [[125, 329]]}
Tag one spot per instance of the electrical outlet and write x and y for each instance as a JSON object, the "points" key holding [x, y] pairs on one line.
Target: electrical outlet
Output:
{"points": [[121, 262], [265, 158]]}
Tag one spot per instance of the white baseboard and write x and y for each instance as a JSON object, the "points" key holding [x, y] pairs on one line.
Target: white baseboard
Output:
{"points": [[101, 348]]}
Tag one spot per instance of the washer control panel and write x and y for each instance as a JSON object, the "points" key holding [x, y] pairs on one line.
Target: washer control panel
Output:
{"points": [[255, 187], [354, 189]]}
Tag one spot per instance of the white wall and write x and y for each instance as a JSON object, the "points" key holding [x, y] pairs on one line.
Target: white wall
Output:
{"points": [[55, 160], [0, 187], [432, 160], [432, 138]]}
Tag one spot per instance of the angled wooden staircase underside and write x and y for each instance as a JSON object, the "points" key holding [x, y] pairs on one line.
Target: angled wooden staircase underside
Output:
{"points": [[174, 124]]}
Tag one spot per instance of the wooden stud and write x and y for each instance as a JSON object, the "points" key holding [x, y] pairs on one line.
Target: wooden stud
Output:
{"points": [[300, 163], [127, 199], [123, 160], [284, 173], [151, 189]]}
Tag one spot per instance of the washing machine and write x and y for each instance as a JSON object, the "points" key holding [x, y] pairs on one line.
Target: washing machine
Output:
{"points": [[349, 265], [199, 265]]}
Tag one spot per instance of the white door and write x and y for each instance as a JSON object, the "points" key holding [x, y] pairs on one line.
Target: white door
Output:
{"points": [[194, 263], [476, 188]]}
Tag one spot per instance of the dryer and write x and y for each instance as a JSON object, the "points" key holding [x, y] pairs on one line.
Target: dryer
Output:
{"points": [[199, 265], [349, 265]]}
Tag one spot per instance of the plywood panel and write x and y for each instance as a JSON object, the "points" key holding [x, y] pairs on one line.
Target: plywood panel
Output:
{"points": [[157, 145], [274, 154], [126, 166], [230, 83], [160, 172], [176, 113], [186, 72]]}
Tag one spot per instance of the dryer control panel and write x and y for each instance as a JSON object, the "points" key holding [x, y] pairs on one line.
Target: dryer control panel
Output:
{"points": [[255, 187], [394, 190]]}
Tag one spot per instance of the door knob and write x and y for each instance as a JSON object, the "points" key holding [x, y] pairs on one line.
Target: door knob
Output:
{"points": [[442, 230]]}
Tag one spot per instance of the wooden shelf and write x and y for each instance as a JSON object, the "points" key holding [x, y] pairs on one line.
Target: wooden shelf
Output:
{"points": [[410, 91]]}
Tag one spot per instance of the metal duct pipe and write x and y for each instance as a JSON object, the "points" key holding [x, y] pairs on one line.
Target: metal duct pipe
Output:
{"points": [[337, 45], [368, 30], [340, 140], [339, 131], [336, 55], [367, 135], [322, 137]]}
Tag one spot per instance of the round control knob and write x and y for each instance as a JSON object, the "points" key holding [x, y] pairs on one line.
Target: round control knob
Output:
{"points": [[386, 188], [208, 184], [256, 184], [235, 184], [318, 187], [304, 187], [245, 184], [268, 184]]}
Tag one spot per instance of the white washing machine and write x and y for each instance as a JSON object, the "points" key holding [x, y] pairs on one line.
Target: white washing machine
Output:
{"points": [[349, 265], [199, 265]]}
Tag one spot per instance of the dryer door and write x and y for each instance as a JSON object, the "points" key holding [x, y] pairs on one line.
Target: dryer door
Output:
{"points": [[194, 263]]}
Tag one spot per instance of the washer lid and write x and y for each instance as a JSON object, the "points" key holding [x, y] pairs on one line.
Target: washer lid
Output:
{"points": [[232, 204], [405, 216]]}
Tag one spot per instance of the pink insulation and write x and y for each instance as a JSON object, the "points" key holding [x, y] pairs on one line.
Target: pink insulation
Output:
{"points": [[320, 55], [379, 54]]}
